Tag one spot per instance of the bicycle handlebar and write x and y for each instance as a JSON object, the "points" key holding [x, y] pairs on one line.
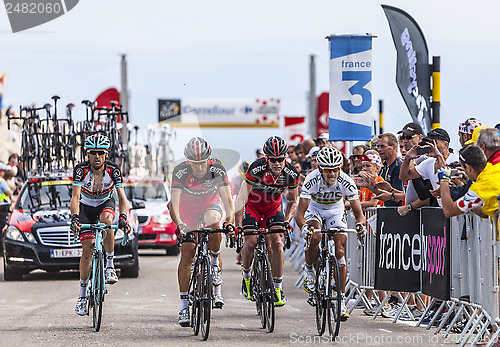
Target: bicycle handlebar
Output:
{"points": [[333, 231], [101, 226]]}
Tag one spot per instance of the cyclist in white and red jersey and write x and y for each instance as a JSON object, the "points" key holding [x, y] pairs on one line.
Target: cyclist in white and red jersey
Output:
{"points": [[258, 205], [91, 202], [198, 186], [321, 205]]}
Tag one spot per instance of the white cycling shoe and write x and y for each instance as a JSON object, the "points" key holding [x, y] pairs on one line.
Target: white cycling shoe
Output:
{"points": [[81, 308], [111, 277]]}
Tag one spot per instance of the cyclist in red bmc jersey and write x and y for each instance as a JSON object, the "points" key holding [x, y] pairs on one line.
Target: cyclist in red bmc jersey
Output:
{"points": [[260, 195], [198, 185]]}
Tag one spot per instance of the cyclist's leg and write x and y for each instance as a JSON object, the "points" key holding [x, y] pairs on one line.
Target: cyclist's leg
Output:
{"points": [[310, 255], [107, 216], [187, 249], [87, 241], [212, 218], [340, 242]]}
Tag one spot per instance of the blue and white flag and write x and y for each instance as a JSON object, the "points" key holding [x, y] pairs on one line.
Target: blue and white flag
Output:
{"points": [[350, 88]]}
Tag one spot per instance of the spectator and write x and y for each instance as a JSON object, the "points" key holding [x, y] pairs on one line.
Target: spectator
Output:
{"points": [[13, 162], [466, 129], [489, 142], [299, 153], [291, 153], [306, 148], [475, 135], [311, 157], [9, 178], [437, 141], [258, 153], [357, 166], [388, 151], [417, 190], [482, 195], [322, 140], [367, 177], [402, 149]]}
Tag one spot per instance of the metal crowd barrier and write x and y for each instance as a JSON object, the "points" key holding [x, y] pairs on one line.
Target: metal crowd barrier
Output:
{"points": [[475, 268]]}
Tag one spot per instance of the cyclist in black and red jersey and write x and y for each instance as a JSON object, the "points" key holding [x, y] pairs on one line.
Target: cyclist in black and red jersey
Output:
{"points": [[198, 185], [258, 205]]}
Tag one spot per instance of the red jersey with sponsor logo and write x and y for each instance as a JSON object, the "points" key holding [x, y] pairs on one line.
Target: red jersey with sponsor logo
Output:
{"points": [[199, 192], [268, 187]]}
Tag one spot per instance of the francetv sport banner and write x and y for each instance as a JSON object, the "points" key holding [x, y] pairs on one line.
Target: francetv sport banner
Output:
{"points": [[413, 252], [350, 88], [412, 68]]}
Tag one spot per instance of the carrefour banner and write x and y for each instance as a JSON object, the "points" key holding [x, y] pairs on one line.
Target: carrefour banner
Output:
{"points": [[350, 117]]}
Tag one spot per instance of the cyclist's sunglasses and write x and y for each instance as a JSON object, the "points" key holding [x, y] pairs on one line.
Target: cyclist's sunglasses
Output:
{"points": [[94, 152], [274, 160], [328, 170]]}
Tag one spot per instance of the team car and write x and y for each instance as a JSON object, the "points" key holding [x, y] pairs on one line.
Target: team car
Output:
{"points": [[38, 233], [156, 228]]}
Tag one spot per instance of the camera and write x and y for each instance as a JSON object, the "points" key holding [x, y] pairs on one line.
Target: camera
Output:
{"points": [[422, 150], [455, 174]]}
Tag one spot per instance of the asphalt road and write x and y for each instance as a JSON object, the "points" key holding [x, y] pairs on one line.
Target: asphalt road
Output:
{"points": [[39, 311]]}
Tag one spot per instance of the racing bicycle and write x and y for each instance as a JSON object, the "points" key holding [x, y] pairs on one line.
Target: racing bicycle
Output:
{"points": [[327, 296], [97, 283], [263, 290], [201, 294]]}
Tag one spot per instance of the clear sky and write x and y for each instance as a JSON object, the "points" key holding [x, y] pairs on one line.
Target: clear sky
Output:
{"points": [[236, 49]]}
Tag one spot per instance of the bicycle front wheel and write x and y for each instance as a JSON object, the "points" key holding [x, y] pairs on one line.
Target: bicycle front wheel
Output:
{"points": [[334, 298], [206, 298], [195, 313], [98, 291], [270, 293], [319, 294]]}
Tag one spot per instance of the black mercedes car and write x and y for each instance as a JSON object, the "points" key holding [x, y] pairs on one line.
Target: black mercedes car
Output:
{"points": [[38, 233]]}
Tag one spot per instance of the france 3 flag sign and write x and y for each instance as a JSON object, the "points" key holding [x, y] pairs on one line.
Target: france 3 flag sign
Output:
{"points": [[350, 116]]}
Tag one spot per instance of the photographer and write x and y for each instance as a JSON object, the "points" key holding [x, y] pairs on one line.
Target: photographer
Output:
{"points": [[482, 195], [436, 146]]}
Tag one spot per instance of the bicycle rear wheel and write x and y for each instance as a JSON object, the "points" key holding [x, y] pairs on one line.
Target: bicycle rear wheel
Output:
{"points": [[206, 298], [98, 292], [319, 293], [334, 298], [269, 294]]}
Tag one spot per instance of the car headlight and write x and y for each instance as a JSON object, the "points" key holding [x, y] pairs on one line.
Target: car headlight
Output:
{"points": [[13, 233], [29, 237], [162, 219]]}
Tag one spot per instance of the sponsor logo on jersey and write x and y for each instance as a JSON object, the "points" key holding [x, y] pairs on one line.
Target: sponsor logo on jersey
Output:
{"points": [[309, 184], [181, 173], [346, 183]]}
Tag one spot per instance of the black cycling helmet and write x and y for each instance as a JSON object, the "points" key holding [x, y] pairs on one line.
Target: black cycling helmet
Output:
{"points": [[275, 146], [197, 149]]}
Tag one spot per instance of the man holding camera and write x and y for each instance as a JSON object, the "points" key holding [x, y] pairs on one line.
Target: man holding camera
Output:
{"points": [[436, 146]]}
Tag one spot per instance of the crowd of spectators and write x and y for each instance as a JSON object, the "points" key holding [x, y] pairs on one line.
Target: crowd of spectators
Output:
{"points": [[410, 169]]}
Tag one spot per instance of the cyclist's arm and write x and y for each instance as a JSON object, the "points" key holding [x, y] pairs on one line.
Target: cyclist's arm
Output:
{"points": [[122, 200], [241, 200], [227, 199], [358, 211], [174, 206], [74, 206], [301, 211], [291, 203]]}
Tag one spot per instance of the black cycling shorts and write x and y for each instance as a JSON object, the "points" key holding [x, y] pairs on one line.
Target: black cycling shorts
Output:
{"points": [[90, 214]]}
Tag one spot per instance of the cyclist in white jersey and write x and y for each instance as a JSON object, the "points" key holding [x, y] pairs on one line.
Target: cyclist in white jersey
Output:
{"points": [[321, 205], [91, 202]]}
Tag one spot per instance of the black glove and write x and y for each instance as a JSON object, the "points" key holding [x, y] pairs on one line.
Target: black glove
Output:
{"points": [[75, 220], [122, 221]]}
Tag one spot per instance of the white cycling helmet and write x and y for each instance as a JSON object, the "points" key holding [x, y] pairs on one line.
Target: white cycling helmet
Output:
{"points": [[330, 157]]}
